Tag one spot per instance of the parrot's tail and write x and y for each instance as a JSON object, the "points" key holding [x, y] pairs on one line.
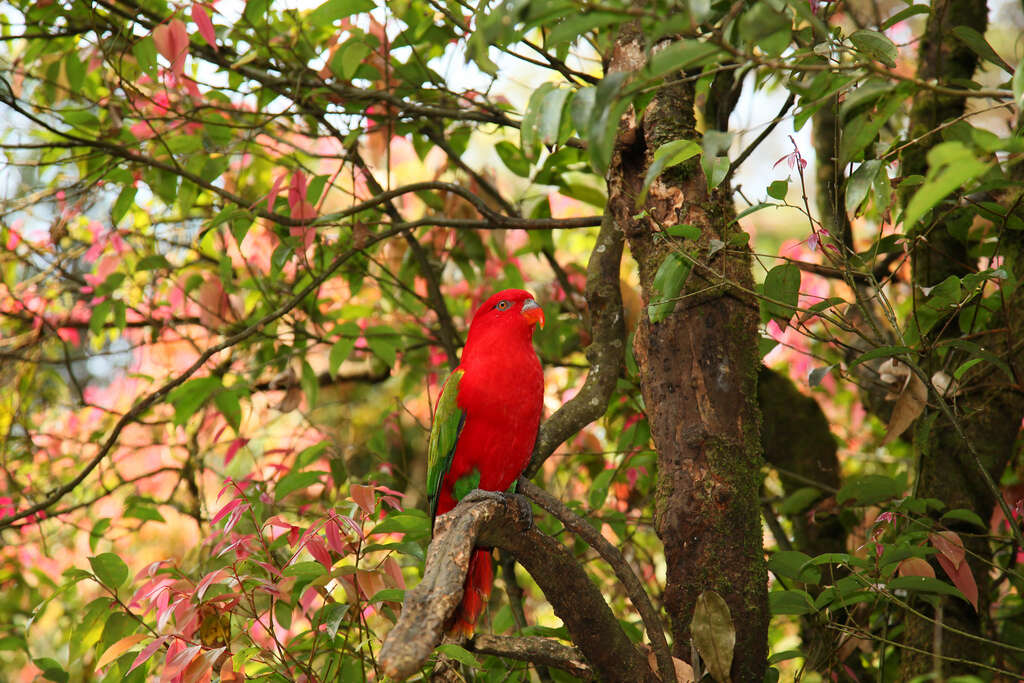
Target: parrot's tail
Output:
{"points": [[477, 591]]}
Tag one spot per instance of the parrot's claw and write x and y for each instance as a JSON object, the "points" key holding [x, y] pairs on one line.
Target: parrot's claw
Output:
{"points": [[524, 513], [480, 495]]}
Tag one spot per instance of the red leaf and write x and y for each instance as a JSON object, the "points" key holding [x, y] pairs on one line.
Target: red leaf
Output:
{"points": [[334, 537], [204, 24], [319, 551], [226, 510], [209, 579], [179, 661], [147, 652], [364, 498], [962, 578]]}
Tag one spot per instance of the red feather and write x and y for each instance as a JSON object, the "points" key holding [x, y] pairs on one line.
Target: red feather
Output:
{"points": [[502, 394]]}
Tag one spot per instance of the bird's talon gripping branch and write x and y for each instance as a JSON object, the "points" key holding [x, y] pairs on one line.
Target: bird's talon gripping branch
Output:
{"points": [[479, 495]]}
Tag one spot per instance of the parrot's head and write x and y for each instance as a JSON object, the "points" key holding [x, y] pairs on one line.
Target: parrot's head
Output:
{"points": [[510, 309]]}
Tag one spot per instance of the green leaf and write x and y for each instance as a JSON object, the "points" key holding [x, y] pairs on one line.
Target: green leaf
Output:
{"points": [[976, 41], [684, 231], [513, 158], [294, 481], [599, 488], [778, 189], [12, 644], [793, 564], [384, 343], [962, 515], [51, 670], [190, 396], [333, 10], [714, 634], [904, 14], [109, 569], [782, 286], [310, 384], [529, 134], [228, 405], [143, 512], [459, 654], [875, 45], [669, 154], [869, 489], [924, 584], [145, 54], [794, 602], [682, 54], [413, 523], [332, 614], [305, 571], [575, 25], [389, 595], [668, 283], [859, 183], [550, 118], [951, 165]]}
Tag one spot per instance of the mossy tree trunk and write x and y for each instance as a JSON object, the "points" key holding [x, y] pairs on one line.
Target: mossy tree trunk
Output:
{"points": [[698, 372]]}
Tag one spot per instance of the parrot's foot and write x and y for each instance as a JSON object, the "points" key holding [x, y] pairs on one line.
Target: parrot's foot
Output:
{"points": [[480, 495], [524, 512]]}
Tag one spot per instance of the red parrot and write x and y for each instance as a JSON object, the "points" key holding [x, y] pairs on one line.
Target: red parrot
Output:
{"points": [[485, 424]]}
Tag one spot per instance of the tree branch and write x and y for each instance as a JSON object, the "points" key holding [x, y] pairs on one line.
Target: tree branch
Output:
{"points": [[535, 650], [608, 330], [634, 588], [574, 597]]}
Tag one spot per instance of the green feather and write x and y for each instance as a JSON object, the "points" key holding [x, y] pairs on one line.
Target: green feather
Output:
{"points": [[444, 434]]}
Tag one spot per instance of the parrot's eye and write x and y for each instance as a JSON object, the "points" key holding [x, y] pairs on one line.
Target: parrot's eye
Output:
{"points": [[503, 305]]}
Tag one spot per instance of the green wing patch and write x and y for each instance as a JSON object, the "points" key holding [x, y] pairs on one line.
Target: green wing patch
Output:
{"points": [[444, 434]]}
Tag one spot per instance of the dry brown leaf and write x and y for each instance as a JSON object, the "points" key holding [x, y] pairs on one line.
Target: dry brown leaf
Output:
{"points": [[909, 405], [949, 544]]}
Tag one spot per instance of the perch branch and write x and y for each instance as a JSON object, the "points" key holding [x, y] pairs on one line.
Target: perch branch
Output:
{"points": [[574, 597]]}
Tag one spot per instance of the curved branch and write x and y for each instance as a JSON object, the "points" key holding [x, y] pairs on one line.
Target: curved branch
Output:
{"points": [[605, 353], [574, 597], [535, 650], [634, 588]]}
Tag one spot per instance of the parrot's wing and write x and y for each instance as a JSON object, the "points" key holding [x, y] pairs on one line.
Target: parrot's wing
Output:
{"points": [[444, 434]]}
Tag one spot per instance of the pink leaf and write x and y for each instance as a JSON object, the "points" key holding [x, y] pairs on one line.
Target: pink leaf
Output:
{"points": [[147, 652], [364, 498], [207, 580], [274, 190], [119, 648], [172, 42], [319, 551], [179, 661], [226, 510], [203, 23]]}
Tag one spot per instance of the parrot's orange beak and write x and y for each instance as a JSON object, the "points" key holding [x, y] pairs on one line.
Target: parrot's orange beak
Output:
{"points": [[533, 312]]}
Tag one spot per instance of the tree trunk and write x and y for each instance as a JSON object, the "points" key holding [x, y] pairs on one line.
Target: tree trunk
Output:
{"points": [[698, 373]]}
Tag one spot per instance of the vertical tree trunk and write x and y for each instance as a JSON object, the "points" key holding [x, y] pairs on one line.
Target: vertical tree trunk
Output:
{"points": [[698, 372]]}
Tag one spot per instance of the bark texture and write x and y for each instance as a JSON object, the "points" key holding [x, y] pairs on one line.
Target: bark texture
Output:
{"points": [[698, 373]]}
